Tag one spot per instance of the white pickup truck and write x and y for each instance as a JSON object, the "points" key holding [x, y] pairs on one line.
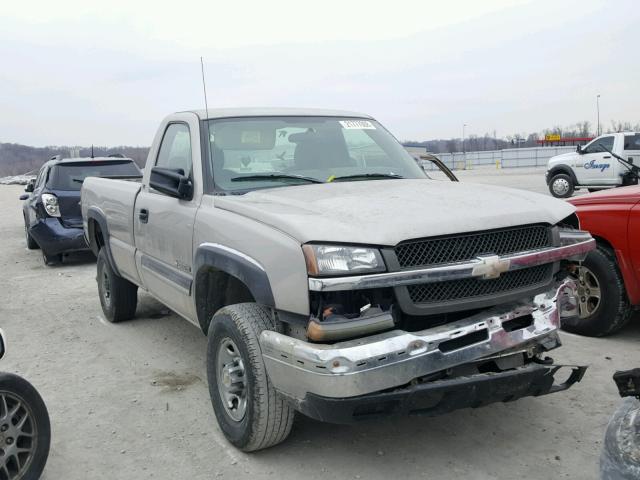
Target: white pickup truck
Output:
{"points": [[330, 274], [605, 162]]}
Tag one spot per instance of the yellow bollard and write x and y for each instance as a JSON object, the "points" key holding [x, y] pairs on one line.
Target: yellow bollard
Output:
{"points": [[497, 164]]}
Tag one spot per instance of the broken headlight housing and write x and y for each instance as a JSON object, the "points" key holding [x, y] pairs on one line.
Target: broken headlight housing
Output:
{"points": [[324, 260], [50, 204]]}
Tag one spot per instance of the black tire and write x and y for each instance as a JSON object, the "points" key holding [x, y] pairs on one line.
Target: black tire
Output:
{"points": [[50, 260], [267, 418], [612, 312], [31, 243], [33, 412], [564, 180], [118, 296]]}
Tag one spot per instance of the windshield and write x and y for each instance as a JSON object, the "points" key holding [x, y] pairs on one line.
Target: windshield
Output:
{"points": [[71, 175], [265, 152]]}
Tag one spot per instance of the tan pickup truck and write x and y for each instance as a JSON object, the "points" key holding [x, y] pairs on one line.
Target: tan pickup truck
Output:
{"points": [[331, 275]]}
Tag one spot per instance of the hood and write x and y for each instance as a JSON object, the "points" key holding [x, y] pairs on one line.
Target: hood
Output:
{"points": [[563, 158], [621, 195], [385, 212]]}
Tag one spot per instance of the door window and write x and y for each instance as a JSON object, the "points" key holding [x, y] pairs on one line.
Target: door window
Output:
{"points": [[595, 146], [632, 142], [175, 150]]}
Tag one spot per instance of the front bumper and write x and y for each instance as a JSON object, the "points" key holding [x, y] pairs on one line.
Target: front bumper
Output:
{"points": [[392, 359], [54, 238], [442, 396]]}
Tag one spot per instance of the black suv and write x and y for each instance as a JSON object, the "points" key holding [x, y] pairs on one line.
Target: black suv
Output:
{"points": [[51, 209]]}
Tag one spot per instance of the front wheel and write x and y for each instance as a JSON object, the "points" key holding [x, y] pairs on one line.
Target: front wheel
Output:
{"points": [[603, 305], [25, 431], [251, 414], [561, 186]]}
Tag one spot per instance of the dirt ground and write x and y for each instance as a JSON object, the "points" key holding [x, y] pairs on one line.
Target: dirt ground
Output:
{"points": [[130, 400]]}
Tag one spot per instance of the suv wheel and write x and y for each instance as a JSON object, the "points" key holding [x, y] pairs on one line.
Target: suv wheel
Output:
{"points": [[31, 243], [603, 306], [561, 186], [50, 260], [251, 414], [118, 297]]}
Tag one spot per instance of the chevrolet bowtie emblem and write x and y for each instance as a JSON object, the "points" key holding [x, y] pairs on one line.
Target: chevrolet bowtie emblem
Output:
{"points": [[490, 267]]}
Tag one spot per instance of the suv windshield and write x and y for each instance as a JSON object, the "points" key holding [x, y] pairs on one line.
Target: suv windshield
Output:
{"points": [[69, 176], [264, 152]]}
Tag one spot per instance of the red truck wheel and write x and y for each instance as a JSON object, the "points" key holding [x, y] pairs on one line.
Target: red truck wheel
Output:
{"points": [[602, 300]]}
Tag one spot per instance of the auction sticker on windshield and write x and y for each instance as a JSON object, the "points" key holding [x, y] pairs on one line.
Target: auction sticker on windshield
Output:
{"points": [[357, 125]]}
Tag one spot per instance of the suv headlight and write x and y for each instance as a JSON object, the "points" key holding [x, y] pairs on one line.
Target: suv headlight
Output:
{"points": [[325, 260], [50, 203]]}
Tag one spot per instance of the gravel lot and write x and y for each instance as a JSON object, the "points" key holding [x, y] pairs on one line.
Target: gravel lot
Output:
{"points": [[130, 401]]}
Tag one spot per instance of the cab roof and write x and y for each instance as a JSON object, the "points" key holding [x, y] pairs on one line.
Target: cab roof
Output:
{"points": [[214, 113]]}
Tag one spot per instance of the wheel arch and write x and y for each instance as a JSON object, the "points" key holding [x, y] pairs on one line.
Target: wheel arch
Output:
{"points": [[563, 169], [623, 266], [225, 276], [97, 234]]}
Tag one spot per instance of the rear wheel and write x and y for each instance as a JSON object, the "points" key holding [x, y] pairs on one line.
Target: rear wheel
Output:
{"points": [[251, 414], [118, 297], [25, 431], [561, 186], [603, 305], [31, 243], [50, 260]]}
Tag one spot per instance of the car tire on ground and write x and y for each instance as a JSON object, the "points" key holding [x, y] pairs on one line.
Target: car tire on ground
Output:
{"points": [[602, 300], [251, 414], [50, 260], [31, 243], [561, 186], [118, 296], [24, 423]]}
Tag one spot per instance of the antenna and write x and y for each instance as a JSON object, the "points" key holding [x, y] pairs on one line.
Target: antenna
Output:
{"points": [[206, 108], [92, 150], [204, 88]]}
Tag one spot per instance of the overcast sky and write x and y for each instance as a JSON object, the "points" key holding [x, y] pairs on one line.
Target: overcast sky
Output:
{"points": [[82, 72]]}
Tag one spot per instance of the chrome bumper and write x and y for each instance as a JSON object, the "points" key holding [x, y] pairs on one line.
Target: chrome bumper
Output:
{"points": [[391, 359]]}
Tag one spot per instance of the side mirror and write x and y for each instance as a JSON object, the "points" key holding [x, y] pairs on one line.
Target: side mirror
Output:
{"points": [[579, 149], [30, 186], [172, 182], [24, 196]]}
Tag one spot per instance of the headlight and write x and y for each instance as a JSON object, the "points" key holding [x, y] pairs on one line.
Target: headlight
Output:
{"points": [[341, 260], [50, 203]]}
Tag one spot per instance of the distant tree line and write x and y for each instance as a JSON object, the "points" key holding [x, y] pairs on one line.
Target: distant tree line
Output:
{"points": [[16, 159], [475, 143]]}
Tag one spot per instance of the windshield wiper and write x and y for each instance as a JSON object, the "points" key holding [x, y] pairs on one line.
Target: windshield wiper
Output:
{"points": [[275, 176], [367, 175]]}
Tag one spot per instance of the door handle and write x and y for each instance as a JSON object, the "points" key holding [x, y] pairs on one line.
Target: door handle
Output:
{"points": [[607, 156], [143, 215]]}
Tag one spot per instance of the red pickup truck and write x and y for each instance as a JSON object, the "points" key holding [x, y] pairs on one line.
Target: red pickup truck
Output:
{"points": [[608, 287]]}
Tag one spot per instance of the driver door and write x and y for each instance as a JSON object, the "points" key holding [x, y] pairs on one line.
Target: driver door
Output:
{"points": [[164, 225], [595, 166]]}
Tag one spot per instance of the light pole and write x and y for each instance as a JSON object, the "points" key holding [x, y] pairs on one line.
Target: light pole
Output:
{"points": [[464, 125], [598, 110]]}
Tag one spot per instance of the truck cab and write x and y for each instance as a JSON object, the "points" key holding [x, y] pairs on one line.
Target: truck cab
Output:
{"points": [[593, 166]]}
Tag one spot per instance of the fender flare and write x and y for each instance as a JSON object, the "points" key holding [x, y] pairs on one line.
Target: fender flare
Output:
{"points": [[95, 214], [563, 169], [237, 264]]}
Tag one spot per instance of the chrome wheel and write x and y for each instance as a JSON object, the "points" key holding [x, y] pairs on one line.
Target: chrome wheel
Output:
{"points": [[232, 381], [589, 294], [560, 186], [106, 289], [18, 436]]}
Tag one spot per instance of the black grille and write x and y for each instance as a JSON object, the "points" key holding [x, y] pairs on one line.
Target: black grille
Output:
{"points": [[468, 246], [472, 288]]}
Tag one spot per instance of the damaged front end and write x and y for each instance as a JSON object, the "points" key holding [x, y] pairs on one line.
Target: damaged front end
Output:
{"points": [[374, 347]]}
